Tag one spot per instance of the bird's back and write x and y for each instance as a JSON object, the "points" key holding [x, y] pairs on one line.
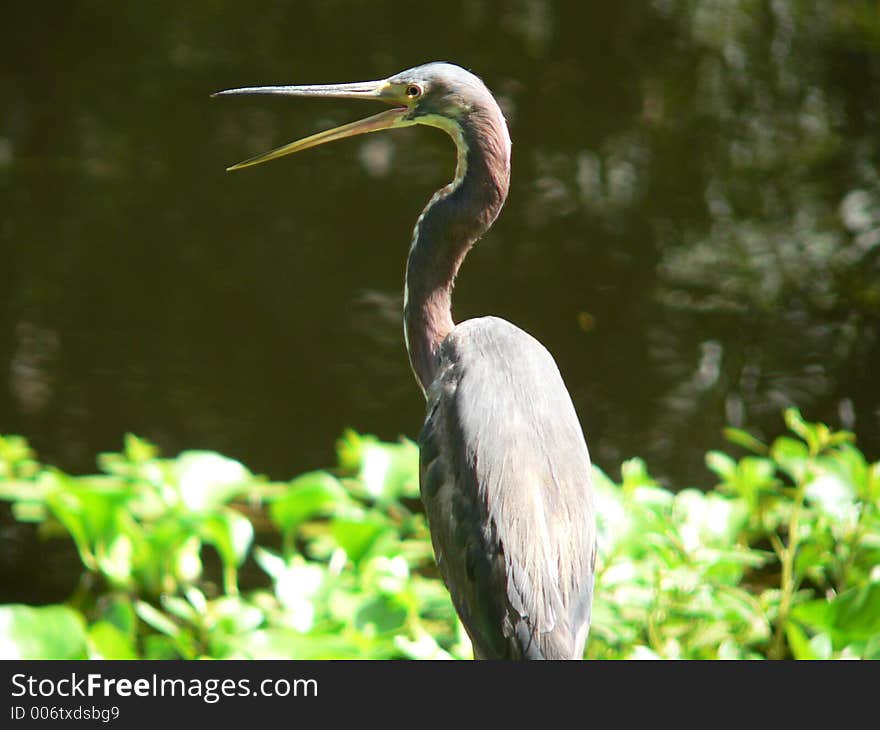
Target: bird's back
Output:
{"points": [[505, 479]]}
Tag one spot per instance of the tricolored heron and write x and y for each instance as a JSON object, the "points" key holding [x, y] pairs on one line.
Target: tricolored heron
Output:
{"points": [[504, 468]]}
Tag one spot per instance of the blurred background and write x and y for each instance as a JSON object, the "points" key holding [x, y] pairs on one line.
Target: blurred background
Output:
{"points": [[693, 228]]}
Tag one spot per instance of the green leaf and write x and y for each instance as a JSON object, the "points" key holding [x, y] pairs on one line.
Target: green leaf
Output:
{"points": [[157, 646], [723, 466], [155, 618], [117, 609], [424, 647], [400, 477], [93, 510], [17, 459], [386, 471], [183, 610], [798, 642], [348, 450], [708, 519], [755, 476], [234, 616], [138, 450], [850, 465], [745, 439], [47, 632], [872, 648], [821, 646], [309, 496], [857, 612], [634, 474], [197, 600], [287, 644], [358, 537], [230, 532], [30, 511], [853, 615], [383, 615], [273, 564], [817, 435], [16, 490], [297, 588], [792, 457], [833, 496], [108, 642], [206, 480], [796, 423], [114, 560]]}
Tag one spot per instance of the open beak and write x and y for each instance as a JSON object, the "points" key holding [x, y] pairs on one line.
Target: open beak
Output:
{"points": [[379, 90]]}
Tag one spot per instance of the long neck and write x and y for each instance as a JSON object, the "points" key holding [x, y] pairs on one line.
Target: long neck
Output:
{"points": [[454, 219]]}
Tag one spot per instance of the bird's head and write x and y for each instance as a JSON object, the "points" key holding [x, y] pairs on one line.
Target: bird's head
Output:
{"points": [[438, 90], [434, 94]]}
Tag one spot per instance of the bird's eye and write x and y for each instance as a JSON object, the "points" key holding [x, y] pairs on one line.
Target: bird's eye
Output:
{"points": [[413, 91]]}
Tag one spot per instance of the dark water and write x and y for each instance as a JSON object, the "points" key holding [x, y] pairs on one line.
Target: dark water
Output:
{"points": [[693, 228]]}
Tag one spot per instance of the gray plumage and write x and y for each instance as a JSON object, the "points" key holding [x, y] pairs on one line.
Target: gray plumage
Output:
{"points": [[505, 479]]}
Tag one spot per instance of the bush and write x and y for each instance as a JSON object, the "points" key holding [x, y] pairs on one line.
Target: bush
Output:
{"points": [[779, 559]]}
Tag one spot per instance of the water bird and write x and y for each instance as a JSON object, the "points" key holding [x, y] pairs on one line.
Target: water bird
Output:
{"points": [[504, 469]]}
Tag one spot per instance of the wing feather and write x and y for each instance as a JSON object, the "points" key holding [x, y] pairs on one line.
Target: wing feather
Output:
{"points": [[505, 477]]}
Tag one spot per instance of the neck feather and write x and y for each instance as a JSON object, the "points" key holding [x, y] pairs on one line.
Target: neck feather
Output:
{"points": [[454, 219]]}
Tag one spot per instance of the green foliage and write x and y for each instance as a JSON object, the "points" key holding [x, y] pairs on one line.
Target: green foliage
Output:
{"points": [[778, 560], [48, 632], [351, 574]]}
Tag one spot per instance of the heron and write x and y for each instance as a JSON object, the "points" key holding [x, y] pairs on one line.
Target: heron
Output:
{"points": [[504, 470]]}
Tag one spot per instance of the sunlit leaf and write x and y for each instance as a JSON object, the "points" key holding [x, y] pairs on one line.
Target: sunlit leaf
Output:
{"points": [[641, 653], [634, 474], [297, 587], [289, 644], [821, 646], [18, 490], [795, 423], [386, 575], [832, 495], [423, 647], [139, 450], [707, 519], [798, 642], [308, 496], [115, 559], [46, 632], [230, 533], [29, 511], [382, 614], [117, 609], [358, 537], [17, 459], [234, 615], [721, 464], [857, 611], [183, 610], [273, 564], [385, 471], [158, 646], [745, 439], [108, 642], [187, 560], [155, 618], [792, 457], [207, 479]]}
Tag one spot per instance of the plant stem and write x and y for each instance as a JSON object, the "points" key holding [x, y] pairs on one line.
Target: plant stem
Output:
{"points": [[788, 586], [230, 580]]}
